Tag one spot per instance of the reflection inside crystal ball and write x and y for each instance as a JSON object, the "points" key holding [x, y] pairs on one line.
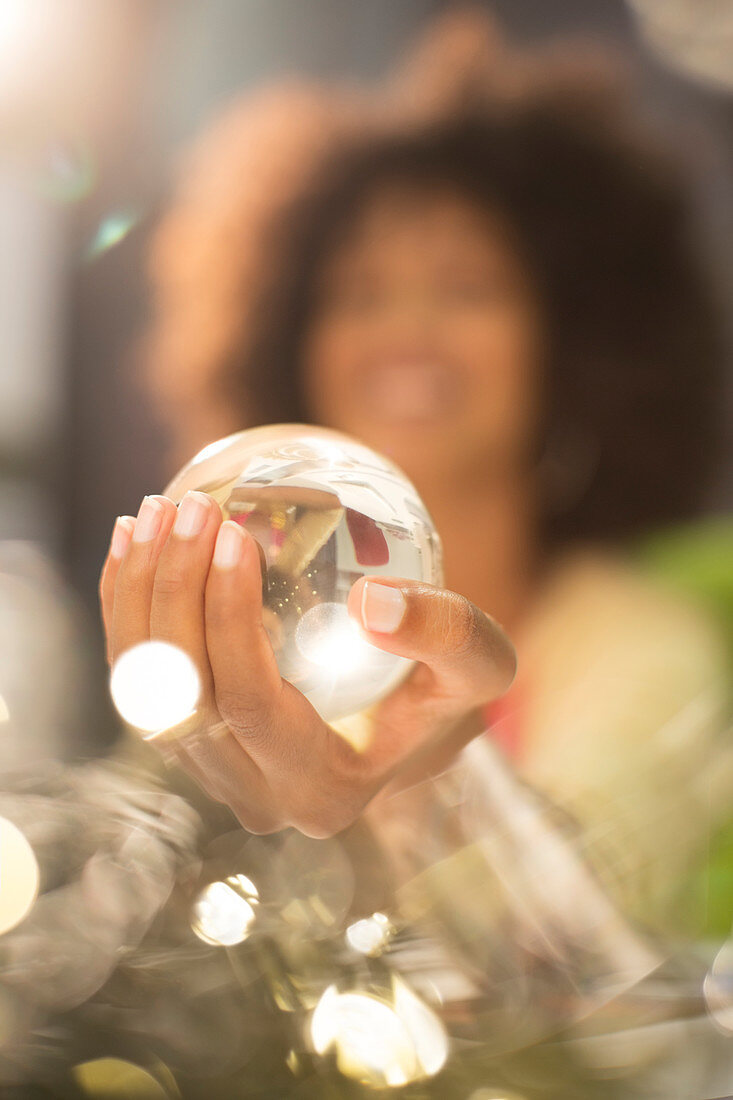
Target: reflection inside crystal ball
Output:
{"points": [[325, 510]]}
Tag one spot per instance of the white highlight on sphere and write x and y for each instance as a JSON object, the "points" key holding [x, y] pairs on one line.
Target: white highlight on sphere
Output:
{"points": [[155, 685], [378, 1042], [19, 876], [327, 636], [223, 913], [718, 988], [369, 936]]}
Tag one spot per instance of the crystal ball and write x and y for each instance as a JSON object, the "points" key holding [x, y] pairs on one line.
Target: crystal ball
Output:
{"points": [[325, 510]]}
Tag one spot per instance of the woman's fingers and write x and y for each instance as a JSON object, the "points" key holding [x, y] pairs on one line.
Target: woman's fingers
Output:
{"points": [[121, 535], [223, 769], [469, 655], [177, 598], [246, 677], [133, 587]]}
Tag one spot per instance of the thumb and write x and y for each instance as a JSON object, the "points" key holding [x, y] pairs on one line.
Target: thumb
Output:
{"points": [[467, 651]]}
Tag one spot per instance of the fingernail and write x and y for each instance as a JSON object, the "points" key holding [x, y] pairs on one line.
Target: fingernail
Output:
{"points": [[148, 520], [121, 535], [229, 545], [382, 607], [191, 516]]}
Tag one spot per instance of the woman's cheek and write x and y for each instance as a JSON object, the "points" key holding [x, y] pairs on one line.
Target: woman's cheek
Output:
{"points": [[502, 359]]}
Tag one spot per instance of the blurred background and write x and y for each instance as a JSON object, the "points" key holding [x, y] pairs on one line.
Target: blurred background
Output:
{"points": [[98, 101]]}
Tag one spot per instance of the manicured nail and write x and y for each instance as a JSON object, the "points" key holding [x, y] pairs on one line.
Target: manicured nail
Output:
{"points": [[229, 545], [382, 607], [148, 520], [121, 535], [191, 516]]}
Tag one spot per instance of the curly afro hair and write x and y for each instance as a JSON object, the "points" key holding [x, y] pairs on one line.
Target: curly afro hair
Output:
{"points": [[601, 215]]}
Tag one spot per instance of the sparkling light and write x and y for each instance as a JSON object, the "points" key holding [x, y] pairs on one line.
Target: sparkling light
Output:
{"points": [[111, 231], [19, 876], [327, 636], [369, 936], [224, 912], [155, 686], [379, 1041], [718, 988]]}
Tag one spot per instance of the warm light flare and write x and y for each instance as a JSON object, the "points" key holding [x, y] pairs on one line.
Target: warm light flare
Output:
{"points": [[154, 686], [382, 1041], [328, 637], [19, 876], [371, 935], [224, 912]]}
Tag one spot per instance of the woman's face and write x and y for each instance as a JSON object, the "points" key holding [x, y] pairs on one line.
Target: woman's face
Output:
{"points": [[425, 341]]}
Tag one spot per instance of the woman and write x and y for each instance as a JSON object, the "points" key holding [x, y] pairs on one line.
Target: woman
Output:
{"points": [[491, 280]]}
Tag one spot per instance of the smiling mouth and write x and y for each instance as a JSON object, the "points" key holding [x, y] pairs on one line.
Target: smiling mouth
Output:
{"points": [[410, 391]]}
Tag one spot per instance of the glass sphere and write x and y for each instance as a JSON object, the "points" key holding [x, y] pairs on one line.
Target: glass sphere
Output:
{"points": [[325, 510]]}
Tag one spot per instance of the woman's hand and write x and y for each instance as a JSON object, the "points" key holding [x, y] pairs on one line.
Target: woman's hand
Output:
{"points": [[182, 576]]}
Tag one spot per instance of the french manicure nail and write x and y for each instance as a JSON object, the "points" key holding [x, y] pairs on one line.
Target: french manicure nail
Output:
{"points": [[382, 607], [121, 535], [229, 545], [191, 516], [148, 520]]}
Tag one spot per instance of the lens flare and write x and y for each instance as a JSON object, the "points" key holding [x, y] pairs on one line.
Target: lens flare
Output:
{"points": [[155, 686], [110, 232], [224, 912], [327, 636], [381, 1041], [371, 935], [19, 876]]}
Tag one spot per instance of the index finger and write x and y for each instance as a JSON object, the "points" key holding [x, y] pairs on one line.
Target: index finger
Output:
{"points": [[121, 534]]}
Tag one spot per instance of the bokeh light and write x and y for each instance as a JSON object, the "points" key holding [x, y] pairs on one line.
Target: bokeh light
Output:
{"points": [[382, 1041], [116, 1079], [65, 171], [154, 686], [224, 912], [327, 636], [371, 935], [19, 876]]}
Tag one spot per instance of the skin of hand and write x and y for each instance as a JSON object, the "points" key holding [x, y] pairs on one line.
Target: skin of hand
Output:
{"points": [[184, 576]]}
